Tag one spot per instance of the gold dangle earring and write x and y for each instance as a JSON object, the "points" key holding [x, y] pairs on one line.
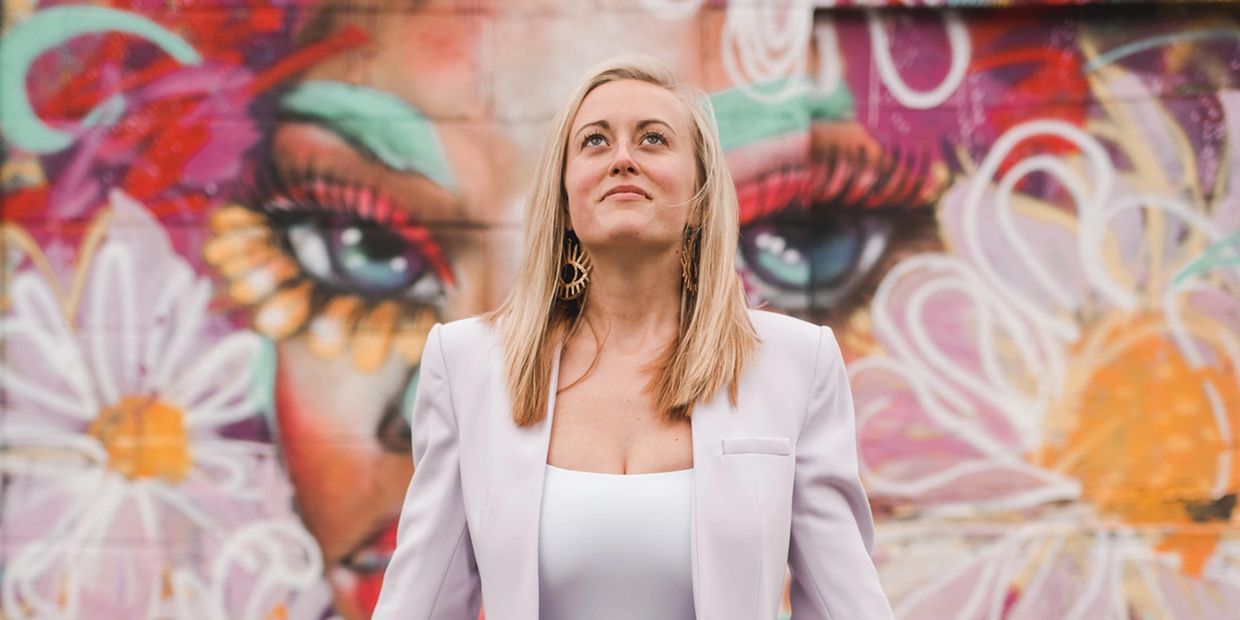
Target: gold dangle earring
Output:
{"points": [[574, 270], [688, 259]]}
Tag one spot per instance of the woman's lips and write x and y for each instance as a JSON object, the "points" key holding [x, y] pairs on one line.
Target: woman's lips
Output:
{"points": [[625, 196], [625, 192]]}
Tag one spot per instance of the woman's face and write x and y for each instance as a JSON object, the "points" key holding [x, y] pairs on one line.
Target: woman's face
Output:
{"points": [[630, 168]]}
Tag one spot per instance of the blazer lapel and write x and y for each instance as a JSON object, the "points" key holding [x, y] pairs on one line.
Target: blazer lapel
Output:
{"points": [[517, 468]]}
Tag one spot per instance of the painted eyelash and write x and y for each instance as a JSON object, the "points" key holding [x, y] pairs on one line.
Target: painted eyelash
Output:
{"points": [[314, 192], [311, 192], [848, 180]]}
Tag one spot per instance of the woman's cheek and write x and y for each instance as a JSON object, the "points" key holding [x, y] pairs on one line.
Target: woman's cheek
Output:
{"points": [[579, 181]]}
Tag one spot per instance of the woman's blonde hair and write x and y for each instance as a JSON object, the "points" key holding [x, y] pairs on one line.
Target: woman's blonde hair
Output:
{"points": [[715, 337]]}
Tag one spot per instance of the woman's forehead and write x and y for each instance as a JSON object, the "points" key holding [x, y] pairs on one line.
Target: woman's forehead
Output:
{"points": [[629, 102]]}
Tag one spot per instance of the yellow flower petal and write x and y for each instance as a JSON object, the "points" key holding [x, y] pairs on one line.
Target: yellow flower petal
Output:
{"points": [[263, 280], [234, 217], [241, 263], [411, 335], [239, 243], [329, 331], [284, 312], [372, 340]]}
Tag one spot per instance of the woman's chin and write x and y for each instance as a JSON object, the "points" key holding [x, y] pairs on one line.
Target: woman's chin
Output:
{"points": [[626, 233]]}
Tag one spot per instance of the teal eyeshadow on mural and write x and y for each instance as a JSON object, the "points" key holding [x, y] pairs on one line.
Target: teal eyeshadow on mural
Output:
{"points": [[744, 119], [382, 123], [48, 30], [410, 392], [263, 385]]}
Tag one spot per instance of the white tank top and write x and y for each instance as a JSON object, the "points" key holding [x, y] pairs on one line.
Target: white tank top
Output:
{"points": [[615, 547]]}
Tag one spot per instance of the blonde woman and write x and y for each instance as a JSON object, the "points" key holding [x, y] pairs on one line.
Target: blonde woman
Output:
{"points": [[623, 438]]}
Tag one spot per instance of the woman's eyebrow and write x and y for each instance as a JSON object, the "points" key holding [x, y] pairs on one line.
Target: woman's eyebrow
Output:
{"points": [[377, 122], [640, 125], [653, 121], [603, 124]]}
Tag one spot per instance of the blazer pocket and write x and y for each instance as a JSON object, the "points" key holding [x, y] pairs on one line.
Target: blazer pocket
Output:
{"points": [[778, 446]]}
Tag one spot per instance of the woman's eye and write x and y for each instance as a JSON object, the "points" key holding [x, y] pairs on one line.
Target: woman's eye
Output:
{"points": [[654, 138], [363, 257], [594, 139]]}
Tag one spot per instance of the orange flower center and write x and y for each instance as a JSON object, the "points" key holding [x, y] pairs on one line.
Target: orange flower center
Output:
{"points": [[144, 438], [1141, 430]]}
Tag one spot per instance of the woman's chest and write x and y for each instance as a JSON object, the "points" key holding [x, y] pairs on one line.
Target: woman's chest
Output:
{"points": [[613, 428]]}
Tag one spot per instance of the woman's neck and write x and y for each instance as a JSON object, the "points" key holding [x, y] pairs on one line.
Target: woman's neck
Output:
{"points": [[634, 302]]}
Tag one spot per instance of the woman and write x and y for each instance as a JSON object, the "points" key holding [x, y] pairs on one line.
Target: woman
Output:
{"points": [[622, 438]]}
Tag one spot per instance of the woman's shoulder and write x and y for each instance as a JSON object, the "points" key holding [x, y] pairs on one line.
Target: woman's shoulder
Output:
{"points": [[473, 327], [790, 351], [469, 335], [782, 331]]}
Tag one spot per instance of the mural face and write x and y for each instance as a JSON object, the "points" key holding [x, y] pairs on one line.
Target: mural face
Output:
{"points": [[228, 227], [357, 238]]}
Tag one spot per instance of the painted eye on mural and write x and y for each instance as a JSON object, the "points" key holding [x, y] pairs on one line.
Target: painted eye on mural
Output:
{"points": [[813, 234], [355, 254], [338, 261], [353, 239], [790, 256], [393, 431]]}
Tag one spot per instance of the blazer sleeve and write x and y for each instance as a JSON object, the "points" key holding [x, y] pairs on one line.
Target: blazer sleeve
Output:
{"points": [[433, 573], [833, 576]]}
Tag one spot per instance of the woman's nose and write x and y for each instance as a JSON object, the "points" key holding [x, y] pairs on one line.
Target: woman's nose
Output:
{"points": [[623, 162]]}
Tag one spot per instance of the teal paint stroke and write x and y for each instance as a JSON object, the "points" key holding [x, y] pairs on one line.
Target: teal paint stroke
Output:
{"points": [[49, 29], [411, 391], [385, 125], [743, 119], [1223, 253], [263, 385], [1150, 43]]}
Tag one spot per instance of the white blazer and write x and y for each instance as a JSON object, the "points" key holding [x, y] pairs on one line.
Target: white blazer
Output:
{"points": [[775, 486]]}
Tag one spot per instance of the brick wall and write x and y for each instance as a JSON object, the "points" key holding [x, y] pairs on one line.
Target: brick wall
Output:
{"points": [[228, 225]]}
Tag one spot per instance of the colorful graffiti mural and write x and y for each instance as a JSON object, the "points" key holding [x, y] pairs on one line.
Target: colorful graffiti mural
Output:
{"points": [[228, 225]]}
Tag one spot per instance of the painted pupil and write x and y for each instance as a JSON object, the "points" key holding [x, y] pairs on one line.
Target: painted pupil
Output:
{"points": [[373, 258], [795, 257], [355, 254]]}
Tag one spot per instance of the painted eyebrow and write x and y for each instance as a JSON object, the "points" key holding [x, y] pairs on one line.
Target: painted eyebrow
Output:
{"points": [[403, 139]]}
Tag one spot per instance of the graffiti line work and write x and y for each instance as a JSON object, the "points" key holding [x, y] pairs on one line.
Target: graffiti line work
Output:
{"points": [[229, 227]]}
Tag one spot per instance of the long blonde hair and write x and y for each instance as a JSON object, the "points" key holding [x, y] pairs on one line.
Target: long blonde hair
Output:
{"points": [[715, 337]]}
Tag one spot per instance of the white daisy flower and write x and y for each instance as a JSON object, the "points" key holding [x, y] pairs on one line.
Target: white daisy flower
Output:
{"points": [[1054, 411], [118, 475]]}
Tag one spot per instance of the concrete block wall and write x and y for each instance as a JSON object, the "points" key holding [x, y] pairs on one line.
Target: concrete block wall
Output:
{"points": [[228, 225]]}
